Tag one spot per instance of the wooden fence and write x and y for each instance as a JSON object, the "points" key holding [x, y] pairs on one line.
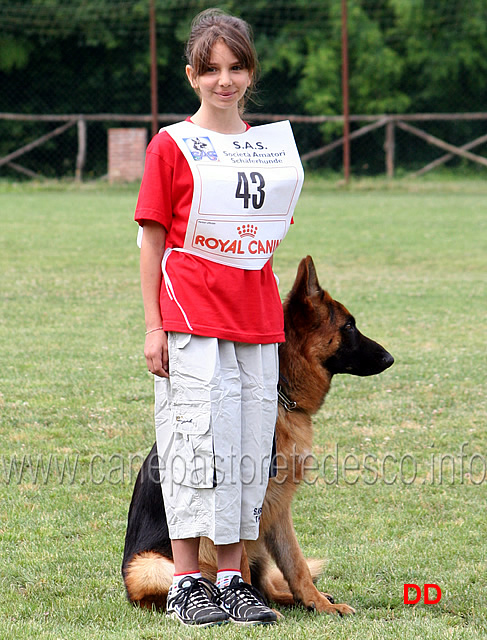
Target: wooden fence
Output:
{"points": [[373, 122]]}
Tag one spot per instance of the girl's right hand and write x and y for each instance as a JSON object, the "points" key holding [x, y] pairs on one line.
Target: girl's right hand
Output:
{"points": [[156, 353]]}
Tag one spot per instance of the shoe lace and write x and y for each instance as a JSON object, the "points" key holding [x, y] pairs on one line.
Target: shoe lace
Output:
{"points": [[196, 593], [243, 593]]}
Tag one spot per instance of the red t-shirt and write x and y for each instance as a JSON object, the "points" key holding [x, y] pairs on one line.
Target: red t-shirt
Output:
{"points": [[219, 301]]}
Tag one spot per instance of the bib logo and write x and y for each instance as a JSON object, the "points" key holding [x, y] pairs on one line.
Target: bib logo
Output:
{"points": [[247, 230], [239, 247], [201, 148]]}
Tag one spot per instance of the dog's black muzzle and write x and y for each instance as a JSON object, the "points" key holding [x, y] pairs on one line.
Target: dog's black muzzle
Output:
{"points": [[360, 356]]}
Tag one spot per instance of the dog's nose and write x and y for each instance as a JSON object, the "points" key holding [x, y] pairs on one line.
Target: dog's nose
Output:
{"points": [[387, 360]]}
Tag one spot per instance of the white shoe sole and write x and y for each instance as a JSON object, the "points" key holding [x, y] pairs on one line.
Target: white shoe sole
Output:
{"points": [[250, 623], [190, 623]]}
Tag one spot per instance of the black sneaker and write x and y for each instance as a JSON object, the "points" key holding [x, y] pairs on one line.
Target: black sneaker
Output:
{"points": [[244, 604], [195, 603]]}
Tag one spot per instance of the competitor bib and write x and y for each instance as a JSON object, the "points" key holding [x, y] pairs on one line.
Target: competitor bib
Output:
{"points": [[246, 187]]}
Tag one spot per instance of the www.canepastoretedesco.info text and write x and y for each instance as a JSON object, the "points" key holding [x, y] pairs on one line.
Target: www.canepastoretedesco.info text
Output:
{"points": [[336, 467]]}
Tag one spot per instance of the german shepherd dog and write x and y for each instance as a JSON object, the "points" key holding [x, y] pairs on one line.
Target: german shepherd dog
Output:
{"points": [[321, 341]]}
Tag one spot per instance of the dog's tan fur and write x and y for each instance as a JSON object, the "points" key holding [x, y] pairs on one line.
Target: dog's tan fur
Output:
{"points": [[314, 330]]}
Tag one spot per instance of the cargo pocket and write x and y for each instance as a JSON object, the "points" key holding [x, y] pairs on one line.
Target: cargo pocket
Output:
{"points": [[181, 339], [193, 448]]}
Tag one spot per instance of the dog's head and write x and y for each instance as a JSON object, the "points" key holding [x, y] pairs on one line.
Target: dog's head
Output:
{"points": [[324, 331]]}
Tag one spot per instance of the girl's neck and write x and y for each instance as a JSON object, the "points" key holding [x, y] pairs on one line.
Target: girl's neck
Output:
{"points": [[221, 122]]}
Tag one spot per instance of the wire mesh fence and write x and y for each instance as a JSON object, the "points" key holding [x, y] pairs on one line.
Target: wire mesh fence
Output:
{"points": [[91, 57]]}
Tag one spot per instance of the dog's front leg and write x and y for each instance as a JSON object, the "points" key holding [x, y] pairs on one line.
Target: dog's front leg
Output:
{"points": [[283, 545]]}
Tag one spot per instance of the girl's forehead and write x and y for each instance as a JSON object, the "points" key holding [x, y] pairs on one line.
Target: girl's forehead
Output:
{"points": [[221, 51]]}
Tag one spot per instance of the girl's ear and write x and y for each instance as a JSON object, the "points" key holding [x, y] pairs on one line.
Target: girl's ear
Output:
{"points": [[192, 77]]}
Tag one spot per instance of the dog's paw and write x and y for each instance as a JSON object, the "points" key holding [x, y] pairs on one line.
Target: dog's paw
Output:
{"points": [[324, 605], [343, 609], [280, 616]]}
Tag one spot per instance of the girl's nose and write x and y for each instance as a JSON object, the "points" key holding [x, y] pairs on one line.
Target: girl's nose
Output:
{"points": [[225, 78]]}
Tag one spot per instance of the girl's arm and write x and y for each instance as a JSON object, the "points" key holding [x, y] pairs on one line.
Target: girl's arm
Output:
{"points": [[151, 254]]}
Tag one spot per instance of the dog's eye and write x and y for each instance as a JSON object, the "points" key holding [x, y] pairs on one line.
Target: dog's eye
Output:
{"points": [[348, 327]]}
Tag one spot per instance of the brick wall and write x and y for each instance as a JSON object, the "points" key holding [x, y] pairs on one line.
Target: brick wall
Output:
{"points": [[126, 154]]}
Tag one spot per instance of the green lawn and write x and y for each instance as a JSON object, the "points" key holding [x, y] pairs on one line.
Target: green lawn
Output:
{"points": [[399, 490]]}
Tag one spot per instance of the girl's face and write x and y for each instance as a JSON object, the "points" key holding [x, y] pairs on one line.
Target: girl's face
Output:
{"points": [[225, 82]]}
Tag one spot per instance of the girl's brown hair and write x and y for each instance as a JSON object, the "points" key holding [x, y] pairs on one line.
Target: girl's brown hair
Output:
{"points": [[214, 25]]}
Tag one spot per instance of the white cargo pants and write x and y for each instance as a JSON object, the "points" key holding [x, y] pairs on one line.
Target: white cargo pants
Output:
{"points": [[215, 418]]}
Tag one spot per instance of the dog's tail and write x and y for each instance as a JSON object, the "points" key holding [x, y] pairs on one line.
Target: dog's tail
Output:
{"points": [[277, 589], [148, 577]]}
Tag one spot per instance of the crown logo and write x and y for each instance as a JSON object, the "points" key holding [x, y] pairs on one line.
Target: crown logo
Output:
{"points": [[247, 230]]}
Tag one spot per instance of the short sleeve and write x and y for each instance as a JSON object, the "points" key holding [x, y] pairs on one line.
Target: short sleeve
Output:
{"points": [[155, 195]]}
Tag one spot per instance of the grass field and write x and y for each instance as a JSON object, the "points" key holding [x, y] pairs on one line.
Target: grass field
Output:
{"points": [[399, 490]]}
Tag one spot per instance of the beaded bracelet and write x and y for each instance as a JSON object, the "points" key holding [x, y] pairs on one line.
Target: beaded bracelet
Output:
{"points": [[153, 330]]}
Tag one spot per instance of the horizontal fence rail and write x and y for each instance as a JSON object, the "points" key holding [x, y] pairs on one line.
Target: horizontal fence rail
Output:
{"points": [[377, 121]]}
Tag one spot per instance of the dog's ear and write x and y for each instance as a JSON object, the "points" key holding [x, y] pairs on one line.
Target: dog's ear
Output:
{"points": [[304, 300], [306, 306], [306, 284], [313, 286]]}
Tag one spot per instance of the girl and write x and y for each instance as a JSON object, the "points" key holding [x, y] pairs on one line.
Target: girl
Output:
{"points": [[216, 200]]}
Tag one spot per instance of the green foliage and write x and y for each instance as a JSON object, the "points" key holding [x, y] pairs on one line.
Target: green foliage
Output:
{"points": [[14, 53], [375, 68], [318, 86], [443, 46], [402, 52]]}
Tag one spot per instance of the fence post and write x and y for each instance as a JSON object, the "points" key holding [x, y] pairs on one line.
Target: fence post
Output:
{"points": [[81, 157], [345, 94], [390, 148], [153, 67]]}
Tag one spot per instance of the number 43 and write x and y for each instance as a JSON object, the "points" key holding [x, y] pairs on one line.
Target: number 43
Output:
{"points": [[243, 190]]}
